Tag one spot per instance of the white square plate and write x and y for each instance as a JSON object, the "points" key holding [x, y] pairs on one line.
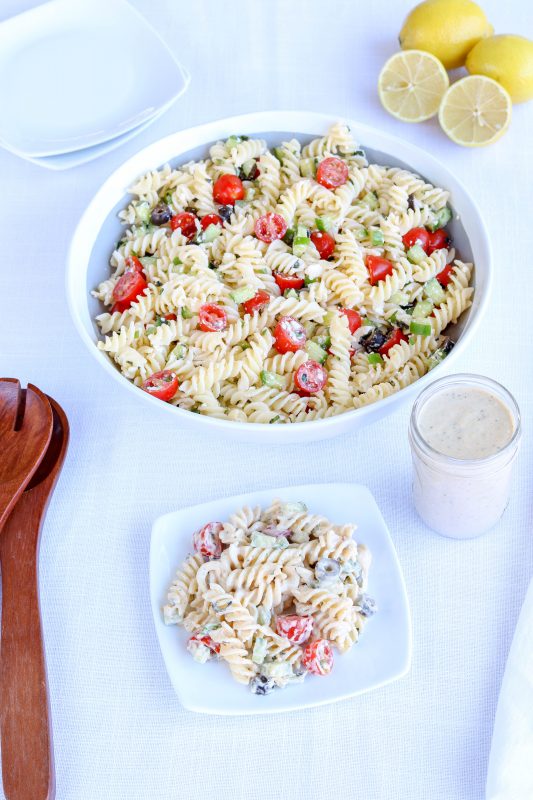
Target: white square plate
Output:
{"points": [[75, 73], [382, 655]]}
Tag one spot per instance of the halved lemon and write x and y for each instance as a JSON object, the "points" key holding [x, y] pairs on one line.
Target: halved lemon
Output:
{"points": [[411, 85], [475, 111]]}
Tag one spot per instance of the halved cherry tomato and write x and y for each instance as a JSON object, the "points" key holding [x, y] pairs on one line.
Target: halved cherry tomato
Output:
{"points": [[129, 286], [445, 275], [354, 319], [324, 243], [210, 219], [270, 227], [162, 385], [212, 318], [438, 240], [186, 222], [378, 268], [289, 335], [227, 189], [288, 281], [197, 640], [332, 173], [132, 262], [318, 657], [418, 236], [310, 378], [396, 337], [256, 303], [295, 628], [207, 542]]}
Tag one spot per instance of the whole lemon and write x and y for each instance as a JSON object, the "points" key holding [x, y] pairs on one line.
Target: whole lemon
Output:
{"points": [[448, 29], [508, 60]]}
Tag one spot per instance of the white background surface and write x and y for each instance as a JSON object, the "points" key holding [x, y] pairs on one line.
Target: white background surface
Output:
{"points": [[119, 730]]}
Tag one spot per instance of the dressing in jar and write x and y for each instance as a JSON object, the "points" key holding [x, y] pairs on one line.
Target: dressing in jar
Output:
{"points": [[464, 435]]}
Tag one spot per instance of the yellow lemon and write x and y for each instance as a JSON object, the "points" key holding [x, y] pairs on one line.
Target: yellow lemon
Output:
{"points": [[475, 111], [447, 28], [411, 85], [507, 59]]}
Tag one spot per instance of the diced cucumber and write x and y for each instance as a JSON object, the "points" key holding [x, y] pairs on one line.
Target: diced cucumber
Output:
{"points": [[262, 540], [148, 261], [290, 293], [264, 615], [144, 213], [377, 238], [434, 291], [374, 358], [186, 313], [279, 153], [307, 168], [232, 142], [308, 280], [249, 167], [422, 309], [328, 317], [420, 327], [249, 194], [179, 351], [260, 650], [315, 352], [301, 241], [442, 218], [437, 357], [294, 508], [399, 298], [240, 203], [370, 199], [243, 294], [271, 379], [176, 261], [211, 233], [323, 223], [416, 254], [368, 323], [323, 341], [360, 234]]}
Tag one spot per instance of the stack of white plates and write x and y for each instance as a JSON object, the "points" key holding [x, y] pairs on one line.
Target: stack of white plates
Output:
{"points": [[79, 78]]}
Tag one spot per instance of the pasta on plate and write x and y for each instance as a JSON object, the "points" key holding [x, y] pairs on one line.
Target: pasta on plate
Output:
{"points": [[281, 285], [270, 592]]}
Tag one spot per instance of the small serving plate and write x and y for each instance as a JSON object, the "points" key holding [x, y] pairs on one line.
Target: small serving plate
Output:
{"points": [[382, 654], [76, 73]]}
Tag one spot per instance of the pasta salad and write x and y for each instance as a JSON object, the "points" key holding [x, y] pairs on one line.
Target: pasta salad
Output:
{"points": [[281, 285], [271, 592]]}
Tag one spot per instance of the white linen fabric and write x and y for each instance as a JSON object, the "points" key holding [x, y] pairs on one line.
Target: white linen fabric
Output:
{"points": [[510, 774], [119, 730]]}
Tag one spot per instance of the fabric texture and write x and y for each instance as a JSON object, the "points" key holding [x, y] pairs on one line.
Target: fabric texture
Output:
{"points": [[119, 730]]}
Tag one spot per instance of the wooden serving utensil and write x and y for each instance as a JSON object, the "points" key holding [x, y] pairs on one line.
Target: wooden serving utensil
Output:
{"points": [[25, 430], [27, 755]]}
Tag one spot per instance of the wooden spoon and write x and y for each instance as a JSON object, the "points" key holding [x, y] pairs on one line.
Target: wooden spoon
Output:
{"points": [[27, 755], [25, 430]]}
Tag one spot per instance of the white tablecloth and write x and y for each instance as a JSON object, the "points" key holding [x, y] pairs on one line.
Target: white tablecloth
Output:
{"points": [[119, 730]]}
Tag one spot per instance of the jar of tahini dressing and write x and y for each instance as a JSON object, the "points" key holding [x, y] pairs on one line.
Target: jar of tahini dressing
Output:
{"points": [[464, 434]]}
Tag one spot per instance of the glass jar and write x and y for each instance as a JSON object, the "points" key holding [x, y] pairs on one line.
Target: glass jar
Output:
{"points": [[456, 497]]}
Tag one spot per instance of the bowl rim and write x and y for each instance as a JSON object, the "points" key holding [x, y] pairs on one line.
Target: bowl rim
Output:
{"points": [[302, 122]]}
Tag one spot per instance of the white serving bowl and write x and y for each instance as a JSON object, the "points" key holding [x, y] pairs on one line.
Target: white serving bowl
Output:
{"points": [[99, 229]]}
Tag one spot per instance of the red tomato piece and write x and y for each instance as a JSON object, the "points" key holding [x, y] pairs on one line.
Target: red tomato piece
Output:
{"points": [[207, 542], [318, 657], [212, 318], [396, 337], [256, 303], [270, 227], [332, 173], [162, 385], [210, 219], [197, 640], [186, 222], [378, 268], [310, 378], [416, 236], [289, 335], [296, 629], [354, 319], [445, 275], [133, 263], [170, 316], [227, 189], [288, 281], [324, 243], [127, 289], [438, 240]]}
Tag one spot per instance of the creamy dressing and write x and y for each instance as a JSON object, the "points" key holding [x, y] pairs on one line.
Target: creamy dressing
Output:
{"points": [[466, 423], [464, 440]]}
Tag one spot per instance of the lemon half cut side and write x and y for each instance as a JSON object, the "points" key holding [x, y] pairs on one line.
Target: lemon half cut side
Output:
{"points": [[475, 111], [411, 85]]}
